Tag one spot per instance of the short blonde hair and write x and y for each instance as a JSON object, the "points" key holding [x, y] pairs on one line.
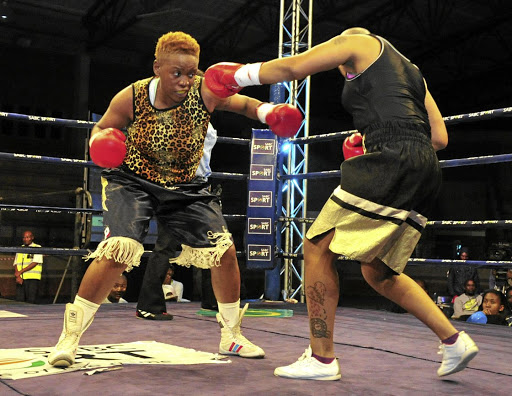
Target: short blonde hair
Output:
{"points": [[174, 42], [355, 30]]}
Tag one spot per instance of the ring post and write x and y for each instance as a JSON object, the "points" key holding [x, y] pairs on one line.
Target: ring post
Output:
{"points": [[273, 276], [260, 226]]}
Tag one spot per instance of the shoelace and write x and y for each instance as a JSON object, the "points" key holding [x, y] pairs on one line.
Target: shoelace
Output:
{"points": [[69, 340], [306, 354]]}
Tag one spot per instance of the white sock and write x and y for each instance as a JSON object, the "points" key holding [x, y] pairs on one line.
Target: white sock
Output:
{"points": [[230, 312], [88, 307]]}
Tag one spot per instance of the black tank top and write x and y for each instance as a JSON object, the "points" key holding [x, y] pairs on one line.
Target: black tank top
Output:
{"points": [[390, 90]]}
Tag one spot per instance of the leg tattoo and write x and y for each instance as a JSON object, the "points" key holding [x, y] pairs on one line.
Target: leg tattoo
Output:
{"points": [[318, 315], [317, 292], [318, 328]]}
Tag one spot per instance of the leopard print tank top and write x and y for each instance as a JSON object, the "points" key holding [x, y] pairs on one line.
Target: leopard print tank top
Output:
{"points": [[165, 146]]}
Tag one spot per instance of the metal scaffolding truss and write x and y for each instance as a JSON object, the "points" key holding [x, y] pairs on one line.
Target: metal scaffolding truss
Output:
{"points": [[295, 37]]}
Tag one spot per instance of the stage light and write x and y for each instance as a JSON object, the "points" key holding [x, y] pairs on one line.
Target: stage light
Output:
{"points": [[5, 12]]}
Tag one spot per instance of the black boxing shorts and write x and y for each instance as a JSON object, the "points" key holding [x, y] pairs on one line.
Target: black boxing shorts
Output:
{"points": [[189, 211], [379, 209]]}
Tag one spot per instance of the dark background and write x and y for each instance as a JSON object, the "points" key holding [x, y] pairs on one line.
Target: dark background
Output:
{"points": [[67, 58]]}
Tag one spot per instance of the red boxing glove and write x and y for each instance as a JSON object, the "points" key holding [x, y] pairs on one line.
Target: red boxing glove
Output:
{"points": [[226, 79], [107, 148], [220, 78], [353, 146], [283, 119]]}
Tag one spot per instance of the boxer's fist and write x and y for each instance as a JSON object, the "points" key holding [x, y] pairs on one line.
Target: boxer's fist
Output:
{"points": [[353, 146], [226, 79], [283, 119], [220, 78], [107, 148]]}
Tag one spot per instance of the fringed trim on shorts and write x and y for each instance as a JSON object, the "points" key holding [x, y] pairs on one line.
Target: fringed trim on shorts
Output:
{"points": [[205, 257], [123, 250]]}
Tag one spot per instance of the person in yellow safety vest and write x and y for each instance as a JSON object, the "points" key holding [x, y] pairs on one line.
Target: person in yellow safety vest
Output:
{"points": [[27, 270]]}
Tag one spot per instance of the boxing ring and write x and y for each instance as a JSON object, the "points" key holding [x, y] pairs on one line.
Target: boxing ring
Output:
{"points": [[407, 364]]}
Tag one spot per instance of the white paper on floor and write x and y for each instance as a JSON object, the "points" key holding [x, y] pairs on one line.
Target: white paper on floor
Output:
{"points": [[32, 362], [9, 314]]}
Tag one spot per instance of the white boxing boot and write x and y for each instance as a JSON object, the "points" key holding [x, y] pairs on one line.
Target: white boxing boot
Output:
{"points": [[64, 352]]}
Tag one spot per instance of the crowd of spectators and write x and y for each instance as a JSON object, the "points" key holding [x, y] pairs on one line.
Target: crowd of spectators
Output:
{"points": [[471, 304]]}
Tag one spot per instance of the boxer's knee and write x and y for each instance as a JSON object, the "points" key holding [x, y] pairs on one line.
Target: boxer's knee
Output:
{"points": [[376, 273], [119, 251]]}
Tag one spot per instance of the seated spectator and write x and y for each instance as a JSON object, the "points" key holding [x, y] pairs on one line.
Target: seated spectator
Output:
{"points": [[117, 292], [173, 290], [508, 296], [494, 307], [467, 303], [459, 273]]}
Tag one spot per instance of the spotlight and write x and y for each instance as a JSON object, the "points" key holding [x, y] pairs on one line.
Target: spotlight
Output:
{"points": [[285, 147], [5, 12]]}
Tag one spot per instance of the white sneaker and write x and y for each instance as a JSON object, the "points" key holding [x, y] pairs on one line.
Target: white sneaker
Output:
{"points": [[232, 342], [308, 368], [457, 356], [64, 353]]}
